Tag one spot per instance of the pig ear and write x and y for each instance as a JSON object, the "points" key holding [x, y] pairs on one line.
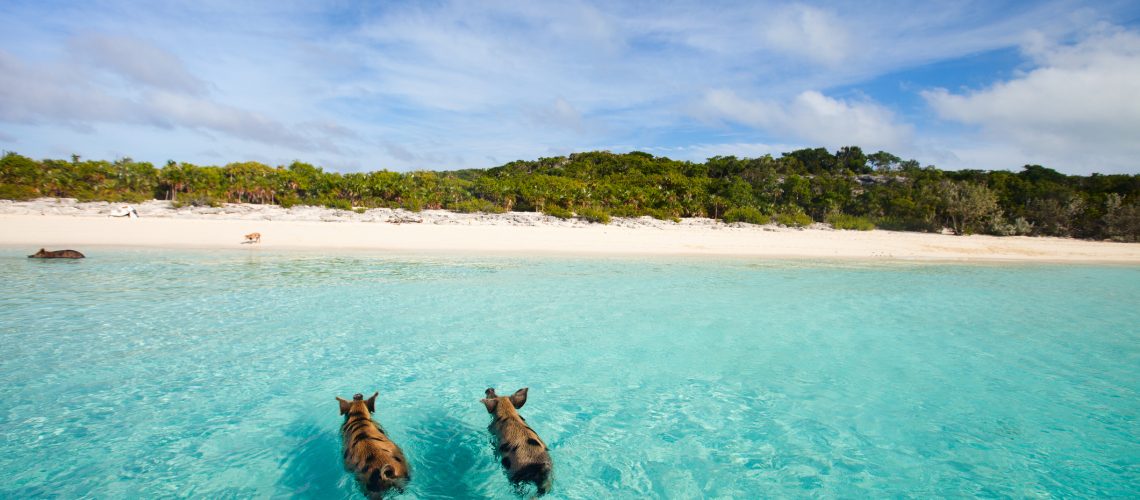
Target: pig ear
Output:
{"points": [[371, 402], [343, 405], [490, 392], [491, 404], [519, 398]]}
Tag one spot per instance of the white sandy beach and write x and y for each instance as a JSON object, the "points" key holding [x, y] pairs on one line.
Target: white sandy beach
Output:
{"points": [[57, 224]]}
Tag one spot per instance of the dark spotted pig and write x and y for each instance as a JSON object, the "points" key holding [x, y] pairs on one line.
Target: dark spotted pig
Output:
{"points": [[56, 254], [522, 452], [379, 465]]}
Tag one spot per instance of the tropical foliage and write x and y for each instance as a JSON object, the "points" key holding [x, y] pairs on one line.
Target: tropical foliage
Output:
{"points": [[847, 188]]}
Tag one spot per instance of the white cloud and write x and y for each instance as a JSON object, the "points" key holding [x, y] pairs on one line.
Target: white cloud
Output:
{"points": [[37, 94], [559, 114], [813, 118], [165, 95], [138, 61], [1079, 109], [810, 32], [178, 110]]}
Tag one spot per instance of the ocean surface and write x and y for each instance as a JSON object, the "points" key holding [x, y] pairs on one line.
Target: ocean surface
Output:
{"points": [[147, 373]]}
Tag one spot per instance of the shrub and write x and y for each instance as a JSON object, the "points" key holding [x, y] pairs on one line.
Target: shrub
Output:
{"points": [[12, 192], [360, 210], [84, 195], [661, 214], [908, 224], [204, 200], [112, 196], [594, 214], [1121, 222], [132, 197], [288, 201], [338, 203], [1000, 227], [412, 204], [625, 211], [751, 215], [794, 219], [557, 211], [477, 205], [844, 221]]}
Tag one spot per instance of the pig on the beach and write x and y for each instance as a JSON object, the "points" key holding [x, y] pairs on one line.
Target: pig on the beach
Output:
{"points": [[56, 254], [522, 452]]}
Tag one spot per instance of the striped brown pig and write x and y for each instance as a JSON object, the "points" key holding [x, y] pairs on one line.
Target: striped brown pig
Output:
{"points": [[379, 465], [522, 452]]}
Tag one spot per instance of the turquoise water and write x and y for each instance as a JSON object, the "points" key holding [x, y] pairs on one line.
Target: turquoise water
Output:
{"points": [[140, 373]]}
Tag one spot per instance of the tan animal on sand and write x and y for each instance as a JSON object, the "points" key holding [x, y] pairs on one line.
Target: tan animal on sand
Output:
{"points": [[524, 455], [56, 254], [377, 462], [253, 238]]}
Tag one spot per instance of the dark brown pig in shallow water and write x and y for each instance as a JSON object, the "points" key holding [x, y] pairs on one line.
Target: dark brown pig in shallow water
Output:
{"points": [[378, 463], [56, 254], [523, 453]]}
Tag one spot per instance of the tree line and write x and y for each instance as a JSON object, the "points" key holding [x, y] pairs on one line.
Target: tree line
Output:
{"points": [[848, 189]]}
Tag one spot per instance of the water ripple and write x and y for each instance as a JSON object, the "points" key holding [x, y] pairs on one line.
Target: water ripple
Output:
{"points": [[139, 373]]}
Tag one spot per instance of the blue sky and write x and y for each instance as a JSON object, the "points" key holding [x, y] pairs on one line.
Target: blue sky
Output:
{"points": [[357, 85]]}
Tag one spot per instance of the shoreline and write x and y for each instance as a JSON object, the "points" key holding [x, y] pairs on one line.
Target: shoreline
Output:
{"points": [[56, 224]]}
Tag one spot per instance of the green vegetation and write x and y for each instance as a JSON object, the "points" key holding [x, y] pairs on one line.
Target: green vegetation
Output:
{"points": [[338, 204], [557, 211], [751, 215], [845, 221], [477, 205], [594, 214], [794, 219], [848, 189]]}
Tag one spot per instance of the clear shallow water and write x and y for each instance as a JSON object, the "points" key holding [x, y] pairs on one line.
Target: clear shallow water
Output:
{"points": [[212, 374]]}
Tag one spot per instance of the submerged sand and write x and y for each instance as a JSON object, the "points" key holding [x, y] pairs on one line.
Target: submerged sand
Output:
{"points": [[65, 223]]}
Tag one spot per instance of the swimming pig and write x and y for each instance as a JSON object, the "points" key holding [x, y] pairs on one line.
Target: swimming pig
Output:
{"points": [[56, 254], [378, 463], [523, 453]]}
